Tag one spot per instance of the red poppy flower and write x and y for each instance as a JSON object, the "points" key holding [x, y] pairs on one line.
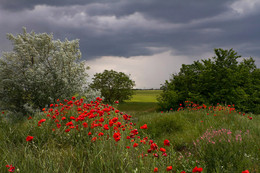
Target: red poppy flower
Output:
{"points": [[94, 139], [99, 99], [106, 110], [72, 118], [69, 123], [183, 172], [117, 136], [114, 119], [106, 127], [70, 102], [85, 124], [196, 169], [246, 171], [41, 121], [144, 126], [169, 168], [29, 138], [166, 142], [67, 130], [155, 169], [101, 119], [11, 168], [100, 134], [164, 154], [110, 123], [153, 146], [135, 145], [163, 150]]}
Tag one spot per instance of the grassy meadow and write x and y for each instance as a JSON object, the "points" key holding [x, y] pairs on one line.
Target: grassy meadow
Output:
{"points": [[141, 102], [76, 137]]}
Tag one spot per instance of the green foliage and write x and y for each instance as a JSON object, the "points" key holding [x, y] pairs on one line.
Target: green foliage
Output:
{"points": [[113, 85], [38, 71], [221, 79]]}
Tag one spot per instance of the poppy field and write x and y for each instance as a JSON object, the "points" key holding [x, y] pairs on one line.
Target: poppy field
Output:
{"points": [[77, 136]]}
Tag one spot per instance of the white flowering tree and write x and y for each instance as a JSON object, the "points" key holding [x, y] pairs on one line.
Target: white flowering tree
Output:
{"points": [[39, 70]]}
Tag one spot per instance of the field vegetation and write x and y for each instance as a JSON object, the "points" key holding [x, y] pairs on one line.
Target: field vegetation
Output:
{"points": [[74, 136]]}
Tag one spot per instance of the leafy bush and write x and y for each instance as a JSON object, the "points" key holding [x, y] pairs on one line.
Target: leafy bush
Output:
{"points": [[113, 85], [221, 79]]}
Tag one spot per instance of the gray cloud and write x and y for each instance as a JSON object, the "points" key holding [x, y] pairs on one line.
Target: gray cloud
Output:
{"points": [[131, 28], [15, 5]]}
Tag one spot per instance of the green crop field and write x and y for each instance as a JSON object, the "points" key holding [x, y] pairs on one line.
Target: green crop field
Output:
{"points": [[145, 96], [142, 101]]}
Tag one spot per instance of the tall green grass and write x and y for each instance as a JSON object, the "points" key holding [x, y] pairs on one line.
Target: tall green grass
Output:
{"points": [[186, 128]]}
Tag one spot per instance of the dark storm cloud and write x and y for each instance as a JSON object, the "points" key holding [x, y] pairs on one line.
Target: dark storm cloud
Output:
{"points": [[133, 27], [175, 11], [30, 4]]}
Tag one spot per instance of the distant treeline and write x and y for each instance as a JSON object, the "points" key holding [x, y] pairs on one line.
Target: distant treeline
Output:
{"points": [[221, 79]]}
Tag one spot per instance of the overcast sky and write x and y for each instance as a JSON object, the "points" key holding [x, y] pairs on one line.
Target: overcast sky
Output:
{"points": [[148, 39]]}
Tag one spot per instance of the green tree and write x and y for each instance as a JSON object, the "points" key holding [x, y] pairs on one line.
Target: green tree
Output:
{"points": [[38, 71], [113, 85], [221, 79]]}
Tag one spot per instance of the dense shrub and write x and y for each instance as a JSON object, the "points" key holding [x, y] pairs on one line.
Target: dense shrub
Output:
{"points": [[221, 79], [113, 85]]}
